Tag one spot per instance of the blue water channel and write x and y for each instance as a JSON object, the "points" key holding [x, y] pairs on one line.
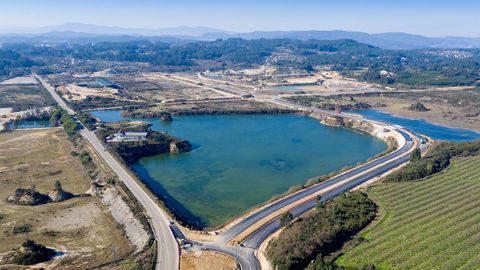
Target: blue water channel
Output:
{"points": [[434, 131]]}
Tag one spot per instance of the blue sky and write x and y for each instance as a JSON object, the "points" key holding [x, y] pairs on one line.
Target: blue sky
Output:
{"points": [[432, 18]]}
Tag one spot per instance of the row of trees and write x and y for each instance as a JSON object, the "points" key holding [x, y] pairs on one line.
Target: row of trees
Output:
{"points": [[321, 232], [61, 116]]}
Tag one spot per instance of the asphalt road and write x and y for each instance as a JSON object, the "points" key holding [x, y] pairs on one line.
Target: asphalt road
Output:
{"points": [[256, 239], [255, 217], [244, 253], [167, 247], [248, 260]]}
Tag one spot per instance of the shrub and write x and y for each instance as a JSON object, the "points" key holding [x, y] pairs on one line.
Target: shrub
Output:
{"points": [[85, 157], [32, 253], [435, 161], [321, 232], [418, 107], [24, 228]]}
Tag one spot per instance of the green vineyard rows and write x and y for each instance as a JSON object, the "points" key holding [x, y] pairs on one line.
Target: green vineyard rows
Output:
{"points": [[428, 224]]}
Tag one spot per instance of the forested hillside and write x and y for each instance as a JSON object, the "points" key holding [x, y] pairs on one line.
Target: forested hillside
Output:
{"points": [[362, 61]]}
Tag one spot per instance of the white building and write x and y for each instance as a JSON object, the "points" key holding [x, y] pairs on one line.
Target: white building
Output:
{"points": [[122, 136]]}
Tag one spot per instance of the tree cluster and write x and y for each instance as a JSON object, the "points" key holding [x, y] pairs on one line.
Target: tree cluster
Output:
{"points": [[33, 253], [321, 232], [365, 62], [59, 115], [435, 161]]}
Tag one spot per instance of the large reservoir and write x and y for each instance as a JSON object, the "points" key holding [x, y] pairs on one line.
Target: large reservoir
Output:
{"points": [[241, 161]]}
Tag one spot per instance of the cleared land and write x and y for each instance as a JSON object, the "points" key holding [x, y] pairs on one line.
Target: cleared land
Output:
{"points": [[157, 88], [210, 107], [74, 92], [20, 80], [270, 80], [24, 96], [429, 224], [207, 260], [81, 227]]}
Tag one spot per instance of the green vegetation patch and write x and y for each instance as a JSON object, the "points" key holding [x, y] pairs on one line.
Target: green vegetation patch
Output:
{"points": [[430, 224], [436, 160], [59, 115], [418, 107], [321, 232], [32, 253]]}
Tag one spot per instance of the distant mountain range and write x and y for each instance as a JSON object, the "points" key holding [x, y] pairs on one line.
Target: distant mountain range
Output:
{"points": [[382, 40], [85, 32], [110, 30]]}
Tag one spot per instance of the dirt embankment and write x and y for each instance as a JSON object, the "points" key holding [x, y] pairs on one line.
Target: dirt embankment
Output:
{"points": [[122, 214], [392, 138]]}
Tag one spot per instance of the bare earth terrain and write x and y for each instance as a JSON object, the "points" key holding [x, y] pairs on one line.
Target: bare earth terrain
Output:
{"points": [[82, 228], [207, 260], [20, 80], [157, 87]]}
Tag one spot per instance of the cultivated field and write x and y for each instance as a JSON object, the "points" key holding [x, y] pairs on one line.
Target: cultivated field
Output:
{"points": [[81, 227], [429, 224]]}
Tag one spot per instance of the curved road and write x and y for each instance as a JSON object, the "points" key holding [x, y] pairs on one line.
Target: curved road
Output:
{"points": [[245, 253], [253, 218], [167, 246]]}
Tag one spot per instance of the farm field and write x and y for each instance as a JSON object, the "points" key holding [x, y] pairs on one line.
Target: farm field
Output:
{"points": [[429, 224]]}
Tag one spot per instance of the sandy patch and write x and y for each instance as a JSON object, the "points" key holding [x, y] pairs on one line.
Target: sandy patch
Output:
{"points": [[253, 71], [454, 88], [83, 216], [5, 111], [207, 260], [20, 80], [75, 92]]}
